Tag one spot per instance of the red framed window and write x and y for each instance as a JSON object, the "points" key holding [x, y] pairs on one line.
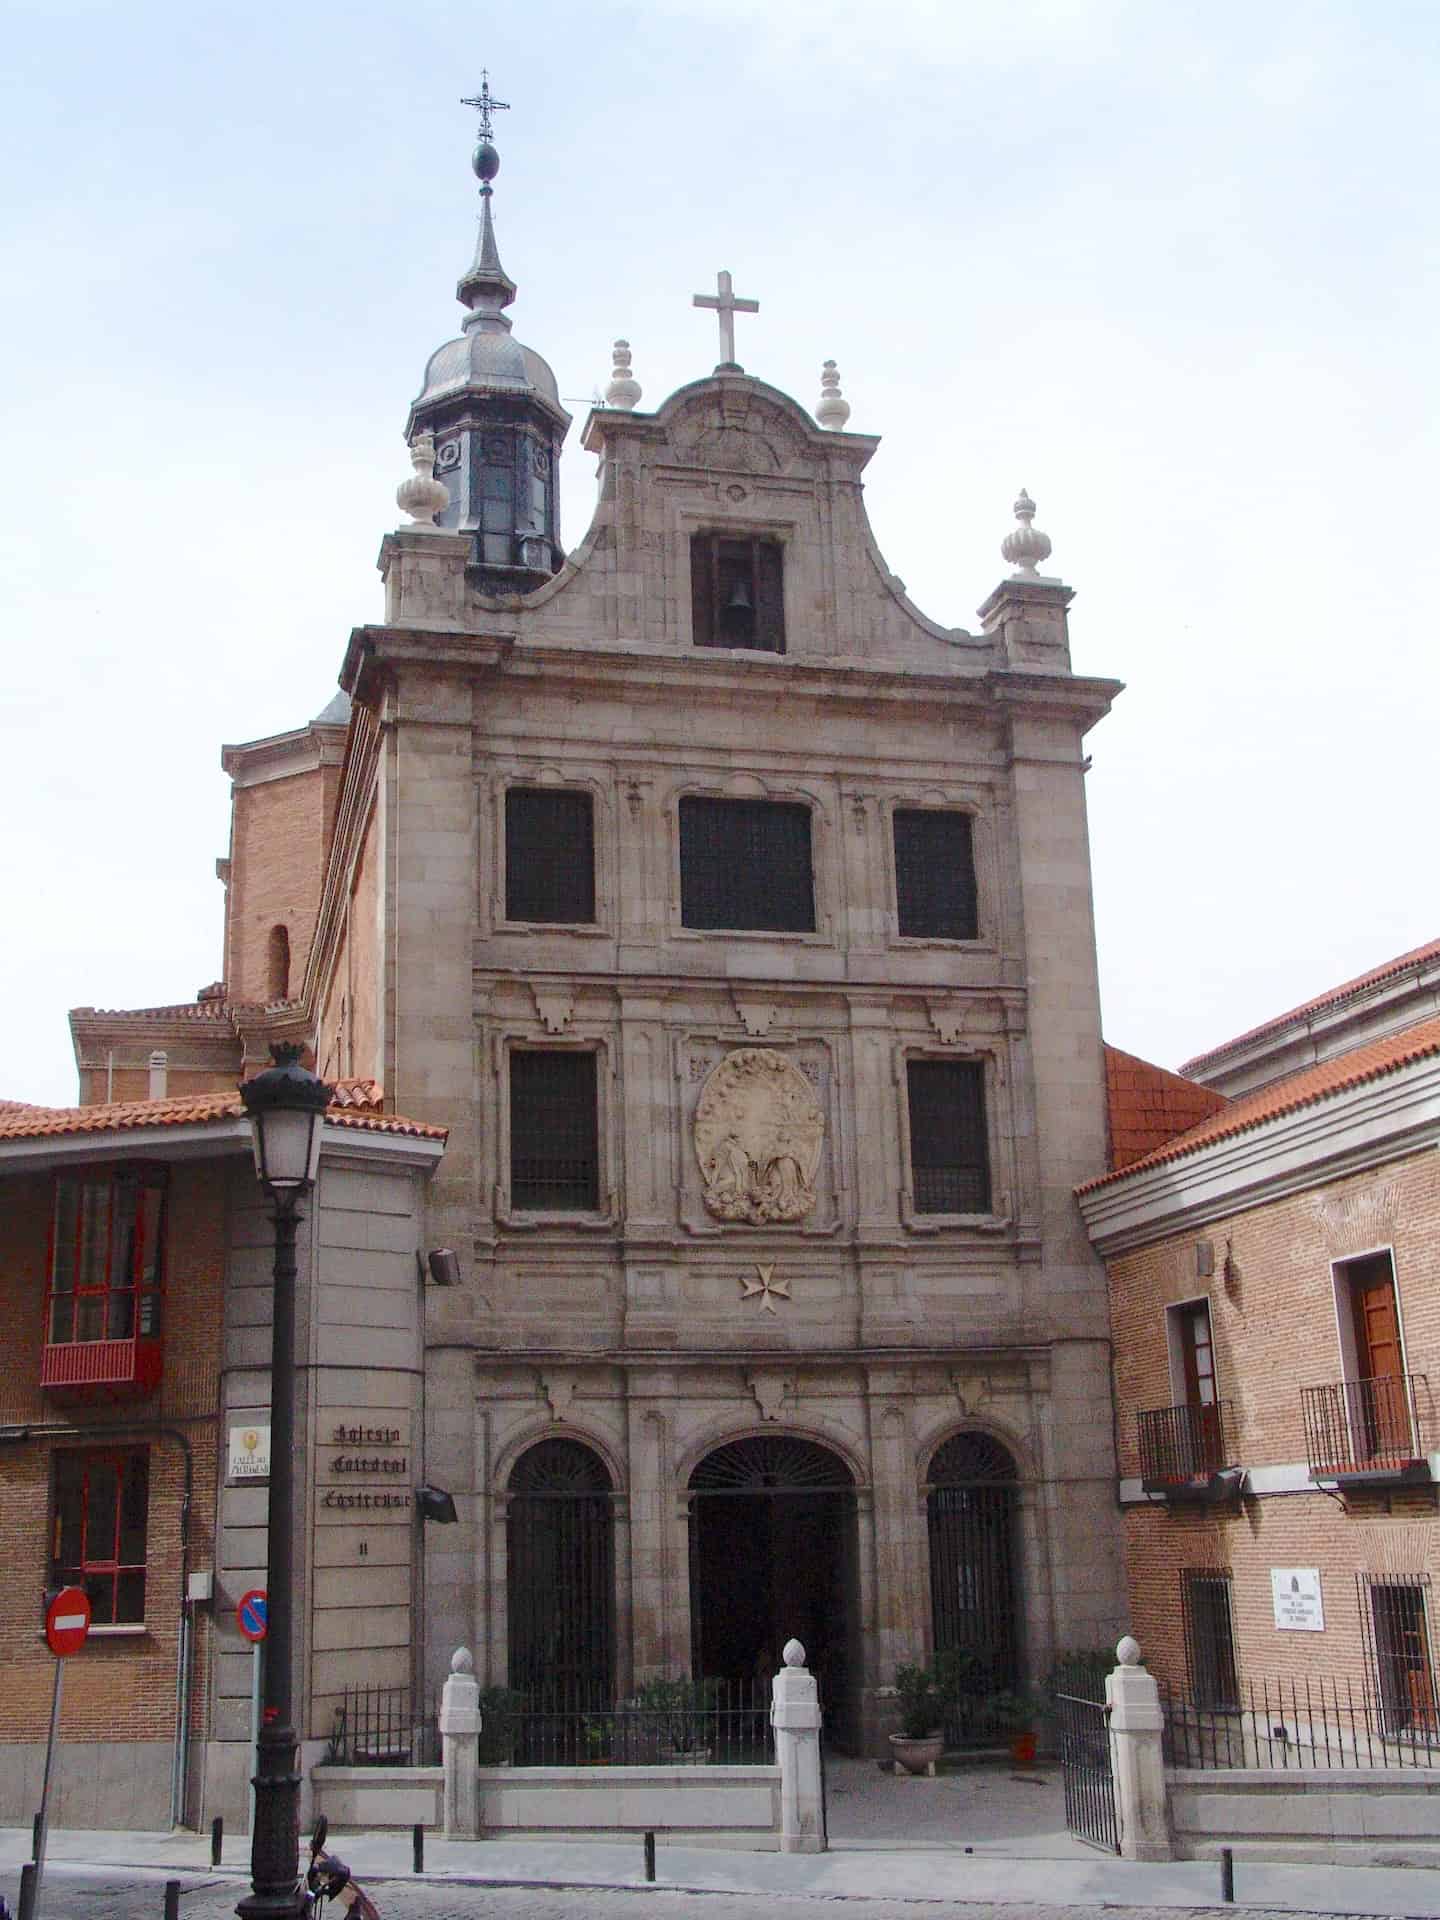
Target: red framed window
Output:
{"points": [[97, 1535], [107, 1256]]}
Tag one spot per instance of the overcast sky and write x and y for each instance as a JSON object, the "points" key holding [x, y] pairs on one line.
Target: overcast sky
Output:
{"points": [[1171, 266]]}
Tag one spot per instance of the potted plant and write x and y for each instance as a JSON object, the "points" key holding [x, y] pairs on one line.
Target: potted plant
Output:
{"points": [[500, 1708], [921, 1739], [1014, 1715], [680, 1711]]}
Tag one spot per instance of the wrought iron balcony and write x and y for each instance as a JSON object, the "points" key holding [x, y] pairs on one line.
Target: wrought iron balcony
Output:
{"points": [[1183, 1452], [1375, 1431], [102, 1369]]}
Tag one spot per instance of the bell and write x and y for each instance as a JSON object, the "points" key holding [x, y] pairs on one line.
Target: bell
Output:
{"points": [[739, 602]]}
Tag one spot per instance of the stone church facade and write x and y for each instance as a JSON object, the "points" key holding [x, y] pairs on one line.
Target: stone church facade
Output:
{"points": [[734, 918]]}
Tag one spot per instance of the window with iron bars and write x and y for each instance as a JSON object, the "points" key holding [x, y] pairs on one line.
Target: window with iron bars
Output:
{"points": [[934, 874], [746, 864], [1209, 1637], [107, 1256], [549, 856], [1395, 1625], [97, 1533], [949, 1145], [554, 1132]]}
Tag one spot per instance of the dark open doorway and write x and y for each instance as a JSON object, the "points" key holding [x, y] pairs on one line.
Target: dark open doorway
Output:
{"points": [[773, 1557]]}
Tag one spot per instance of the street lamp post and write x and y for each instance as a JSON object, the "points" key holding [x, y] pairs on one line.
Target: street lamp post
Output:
{"points": [[286, 1105]]}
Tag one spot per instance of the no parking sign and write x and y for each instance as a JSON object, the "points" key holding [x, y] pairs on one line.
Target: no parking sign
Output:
{"points": [[252, 1615]]}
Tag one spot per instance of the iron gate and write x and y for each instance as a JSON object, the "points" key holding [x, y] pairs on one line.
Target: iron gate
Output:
{"points": [[561, 1578], [970, 1507], [1082, 1729]]}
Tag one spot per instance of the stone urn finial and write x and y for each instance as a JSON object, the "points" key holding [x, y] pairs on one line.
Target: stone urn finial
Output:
{"points": [[793, 1654], [624, 389], [462, 1661], [1026, 547], [1128, 1651], [833, 409], [422, 496]]}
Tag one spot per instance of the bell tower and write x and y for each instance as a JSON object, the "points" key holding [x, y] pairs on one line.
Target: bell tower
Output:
{"points": [[494, 409]]}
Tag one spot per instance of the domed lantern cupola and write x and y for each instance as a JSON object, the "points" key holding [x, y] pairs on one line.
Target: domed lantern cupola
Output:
{"points": [[494, 409]]}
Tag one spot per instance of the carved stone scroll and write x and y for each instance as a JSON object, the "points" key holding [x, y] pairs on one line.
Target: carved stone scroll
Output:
{"points": [[758, 1134]]}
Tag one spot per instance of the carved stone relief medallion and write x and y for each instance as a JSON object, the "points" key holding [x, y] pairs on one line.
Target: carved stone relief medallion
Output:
{"points": [[758, 1134]]}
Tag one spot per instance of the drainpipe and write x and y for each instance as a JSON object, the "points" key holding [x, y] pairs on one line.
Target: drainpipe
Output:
{"points": [[59, 1430]]}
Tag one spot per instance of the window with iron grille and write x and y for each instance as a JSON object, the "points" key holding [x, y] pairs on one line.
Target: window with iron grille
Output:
{"points": [[554, 1132], [549, 855], [107, 1256], [1395, 1624], [934, 874], [97, 1531], [737, 592], [746, 864], [1209, 1636], [949, 1148]]}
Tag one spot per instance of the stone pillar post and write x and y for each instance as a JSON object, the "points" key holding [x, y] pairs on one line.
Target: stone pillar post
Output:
{"points": [[795, 1716], [1136, 1721], [460, 1742]]}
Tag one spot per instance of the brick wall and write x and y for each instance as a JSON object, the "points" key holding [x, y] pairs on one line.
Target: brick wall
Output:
{"points": [[349, 1026], [1274, 1328], [277, 850], [122, 1686]]}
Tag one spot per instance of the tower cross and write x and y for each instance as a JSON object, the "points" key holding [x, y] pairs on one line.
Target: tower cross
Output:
{"points": [[485, 104], [727, 304]]}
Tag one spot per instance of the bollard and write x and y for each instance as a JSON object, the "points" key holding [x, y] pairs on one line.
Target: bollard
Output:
{"points": [[172, 1900], [649, 1856], [417, 1848], [1227, 1875], [217, 1839], [27, 1892]]}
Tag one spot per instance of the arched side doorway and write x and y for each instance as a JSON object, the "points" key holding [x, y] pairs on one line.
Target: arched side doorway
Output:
{"points": [[971, 1500], [773, 1556], [560, 1586]]}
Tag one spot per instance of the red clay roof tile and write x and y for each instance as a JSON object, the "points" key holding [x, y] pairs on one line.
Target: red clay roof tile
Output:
{"points": [[193, 1109]]}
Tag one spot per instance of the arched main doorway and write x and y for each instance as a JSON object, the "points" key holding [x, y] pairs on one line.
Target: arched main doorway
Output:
{"points": [[561, 1577], [970, 1504], [773, 1556]]}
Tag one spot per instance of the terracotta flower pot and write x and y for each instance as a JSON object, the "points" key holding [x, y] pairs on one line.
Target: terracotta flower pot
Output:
{"points": [[917, 1754], [1022, 1749]]}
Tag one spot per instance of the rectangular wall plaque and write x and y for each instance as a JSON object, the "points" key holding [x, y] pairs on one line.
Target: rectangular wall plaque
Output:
{"points": [[1298, 1607]]}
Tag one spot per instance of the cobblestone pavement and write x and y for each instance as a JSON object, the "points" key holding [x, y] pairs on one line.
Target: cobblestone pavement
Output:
{"points": [[74, 1894]]}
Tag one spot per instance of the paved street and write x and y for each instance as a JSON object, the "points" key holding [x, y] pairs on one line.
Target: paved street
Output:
{"points": [[72, 1894]]}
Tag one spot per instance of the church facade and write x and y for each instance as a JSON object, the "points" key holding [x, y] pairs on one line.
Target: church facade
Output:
{"points": [[733, 919]]}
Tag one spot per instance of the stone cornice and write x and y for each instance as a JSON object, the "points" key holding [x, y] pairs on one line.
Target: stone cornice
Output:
{"points": [[1383, 1119]]}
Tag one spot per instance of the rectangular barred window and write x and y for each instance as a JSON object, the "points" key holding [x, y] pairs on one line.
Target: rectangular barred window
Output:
{"points": [[1209, 1637], [935, 874], [554, 1132], [746, 864], [737, 592], [98, 1523], [949, 1149], [549, 856], [1394, 1619]]}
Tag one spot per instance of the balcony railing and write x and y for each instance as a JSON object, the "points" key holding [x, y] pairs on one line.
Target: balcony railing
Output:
{"points": [[1369, 1429], [102, 1369], [1182, 1448]]}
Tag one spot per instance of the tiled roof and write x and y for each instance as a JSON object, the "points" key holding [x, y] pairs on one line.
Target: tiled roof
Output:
{"points": [[1369, 1062], [1416, 957], [18, 1106], [1146, 1106], [187, 1010], [188, 1110], [360, 1095]]}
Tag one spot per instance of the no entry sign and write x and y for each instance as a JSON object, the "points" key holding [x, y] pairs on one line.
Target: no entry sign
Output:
{"points": [[253, 1613], [67, 1621]]}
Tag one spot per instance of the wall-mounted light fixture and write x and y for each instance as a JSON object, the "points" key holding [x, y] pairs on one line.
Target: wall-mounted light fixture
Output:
{"points": [[444, 1267], [435, 1504]]}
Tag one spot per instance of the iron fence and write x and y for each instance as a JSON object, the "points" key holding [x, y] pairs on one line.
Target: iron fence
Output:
{"points": [[1082, 1738], [1321, 1722], [722, 1723], [1182, 1443], [384, 1727], [1365, 1426]]}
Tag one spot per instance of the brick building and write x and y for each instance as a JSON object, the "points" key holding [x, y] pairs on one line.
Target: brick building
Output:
{"points": [[1275, 1301]]}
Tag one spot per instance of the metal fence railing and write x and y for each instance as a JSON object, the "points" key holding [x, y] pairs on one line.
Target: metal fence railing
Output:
{"points": [[384, 1727], [1355, 1427], [1182, 1443], [701, 1723], [1334, 1722]]}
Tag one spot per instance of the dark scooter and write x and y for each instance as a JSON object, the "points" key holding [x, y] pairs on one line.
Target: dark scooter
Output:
{"points": [[328, 1882]]}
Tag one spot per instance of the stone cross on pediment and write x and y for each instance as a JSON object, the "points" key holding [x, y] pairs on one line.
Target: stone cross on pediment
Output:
{"points": [[727, 304]]}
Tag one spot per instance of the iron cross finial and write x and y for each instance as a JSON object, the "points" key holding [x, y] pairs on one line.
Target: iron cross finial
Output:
{"points": [[485, 104]]}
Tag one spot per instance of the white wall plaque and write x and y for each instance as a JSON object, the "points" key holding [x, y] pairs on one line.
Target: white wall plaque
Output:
{"points": [[249, 1453], [1296, 1592]]}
